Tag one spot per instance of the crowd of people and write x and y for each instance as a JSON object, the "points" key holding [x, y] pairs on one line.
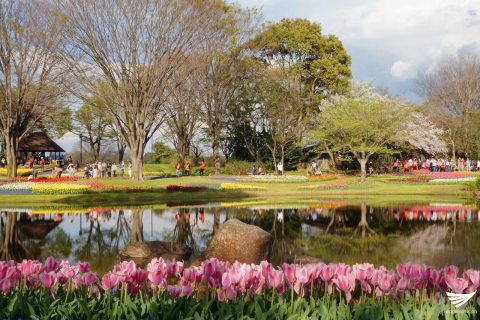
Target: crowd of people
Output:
{"points": [[105, 169], [432, 164]]}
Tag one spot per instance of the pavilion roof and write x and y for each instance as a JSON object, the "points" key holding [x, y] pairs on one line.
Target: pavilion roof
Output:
{"points": [[38, 142]]}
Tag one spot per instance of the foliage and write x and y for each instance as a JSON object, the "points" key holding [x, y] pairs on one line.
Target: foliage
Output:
{"points": [[239, 167], [161, 153], [60, 290]]}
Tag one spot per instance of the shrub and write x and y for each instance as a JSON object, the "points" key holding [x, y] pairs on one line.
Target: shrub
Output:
{"points": [[240, 167]]}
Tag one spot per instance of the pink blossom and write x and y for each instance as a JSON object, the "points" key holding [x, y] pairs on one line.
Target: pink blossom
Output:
{"points": [[275, 279], [109, 281], [289, 271], [174, 291], [47, 279], [457, 285], [345, 283]]}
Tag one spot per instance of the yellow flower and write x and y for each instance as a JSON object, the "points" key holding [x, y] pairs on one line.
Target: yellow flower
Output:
{"points": [[59, 188], [238, 186]]}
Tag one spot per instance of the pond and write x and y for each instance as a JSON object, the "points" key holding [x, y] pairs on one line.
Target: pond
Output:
{"points": [[435, 234]]}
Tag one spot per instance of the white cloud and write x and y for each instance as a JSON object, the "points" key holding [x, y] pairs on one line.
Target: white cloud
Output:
{"points": [[388, 39], [403, 70]]}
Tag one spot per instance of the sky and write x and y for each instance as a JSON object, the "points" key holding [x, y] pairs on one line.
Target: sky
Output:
{"points": [[391, 42]]}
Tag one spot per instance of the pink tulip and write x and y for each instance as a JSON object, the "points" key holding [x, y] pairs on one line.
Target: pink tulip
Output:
{"points": [[345, 283], [174, 291], [221, 295], [473, 277], [87, 279], [231, 293], [109, 281], [457, 285], [275, 279], [289, 271], [50, 264], [226, 280], [187, 290], [84, 267], [139, 276], [327, 273], [47, 279]]}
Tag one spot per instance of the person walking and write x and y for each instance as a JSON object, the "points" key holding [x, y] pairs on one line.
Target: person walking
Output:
{"points": [[129, 169], [202, 167], [187, 168]]}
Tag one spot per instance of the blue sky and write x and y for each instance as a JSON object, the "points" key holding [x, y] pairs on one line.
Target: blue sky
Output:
{"points": [[390, 41]]}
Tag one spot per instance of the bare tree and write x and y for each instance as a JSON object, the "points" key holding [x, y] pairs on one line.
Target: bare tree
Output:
{"points": [[223, 73], [135, 47], [29, 77], [183, 114], [452, 92]]}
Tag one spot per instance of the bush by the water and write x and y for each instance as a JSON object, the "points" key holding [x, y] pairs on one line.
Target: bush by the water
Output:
{"points": [[220, 290]]}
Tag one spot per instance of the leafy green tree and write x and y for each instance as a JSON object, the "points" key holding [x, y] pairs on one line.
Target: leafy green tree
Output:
{"points": [[315, 65], [162, 153], [363, 123]]}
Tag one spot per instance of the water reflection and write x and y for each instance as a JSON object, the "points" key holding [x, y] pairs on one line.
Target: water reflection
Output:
{"points": [[435, 234]]}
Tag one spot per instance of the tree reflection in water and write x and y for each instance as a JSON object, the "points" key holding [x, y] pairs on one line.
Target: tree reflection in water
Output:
{"points": [[11, 246]]}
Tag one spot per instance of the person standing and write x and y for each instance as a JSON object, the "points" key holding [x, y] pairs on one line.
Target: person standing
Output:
{"points": [[187, 168], [129, 169], [178, 166], [71, 170], [122, 168], [114, 169], [109, 168], [280, 168], [3, 162], [202, 167]]}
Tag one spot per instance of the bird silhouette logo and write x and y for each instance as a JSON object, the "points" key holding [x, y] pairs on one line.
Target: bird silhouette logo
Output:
{"points": [[459, 299]]}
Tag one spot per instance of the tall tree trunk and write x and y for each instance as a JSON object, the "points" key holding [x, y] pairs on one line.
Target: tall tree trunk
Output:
{"points": [[121, 152], [363, 169], [11, 147], [136, 231], [136, 155], [216, 154]]}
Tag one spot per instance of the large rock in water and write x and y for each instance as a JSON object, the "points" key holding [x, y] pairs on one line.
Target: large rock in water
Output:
{"points": [[238, 241], [143, 252]]}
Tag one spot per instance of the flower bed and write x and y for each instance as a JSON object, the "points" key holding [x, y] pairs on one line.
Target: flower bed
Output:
{"points": [[31, 287], [238, 186], [17, 186], [173, 187], [415, 179], [274, 178], [452, 180], [53, 179], [20, 171], [100, 186], [59, 188]]}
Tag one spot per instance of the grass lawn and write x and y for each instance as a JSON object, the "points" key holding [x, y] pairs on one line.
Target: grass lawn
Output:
{"points": [[378, 190]]}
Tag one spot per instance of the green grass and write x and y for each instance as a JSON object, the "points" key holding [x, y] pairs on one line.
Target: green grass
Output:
{"points": [[378, 190]]}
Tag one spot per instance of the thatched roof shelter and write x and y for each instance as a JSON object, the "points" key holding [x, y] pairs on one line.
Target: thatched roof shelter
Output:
{"points": [[38, 142]]}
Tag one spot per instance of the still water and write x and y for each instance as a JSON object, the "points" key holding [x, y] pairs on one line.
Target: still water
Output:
{"points": [[434, 234]]}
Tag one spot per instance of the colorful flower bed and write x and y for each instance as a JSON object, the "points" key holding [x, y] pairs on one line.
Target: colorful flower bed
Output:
{"points": [[59, 188], [52, 179], [173, 187], [415, 178], [100, 186], [238, 186], [59, 289]]}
